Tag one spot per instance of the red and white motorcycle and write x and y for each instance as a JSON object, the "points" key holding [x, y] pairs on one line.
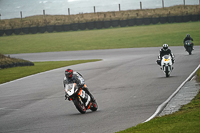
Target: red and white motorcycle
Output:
{"points": [[80, 98]]}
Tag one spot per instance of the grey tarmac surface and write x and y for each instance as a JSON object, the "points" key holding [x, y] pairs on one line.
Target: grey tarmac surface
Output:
{"points": [[127, 84]]}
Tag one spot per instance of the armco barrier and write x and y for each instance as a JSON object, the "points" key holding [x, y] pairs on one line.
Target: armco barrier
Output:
{"points": [[101, 24]]}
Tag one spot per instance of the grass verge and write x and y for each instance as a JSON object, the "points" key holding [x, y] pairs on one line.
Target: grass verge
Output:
{"points": [[128, 37], [186, 120], [10, 74]]}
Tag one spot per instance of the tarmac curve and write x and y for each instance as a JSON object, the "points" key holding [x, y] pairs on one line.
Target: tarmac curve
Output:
{"points": [[127, 84]]}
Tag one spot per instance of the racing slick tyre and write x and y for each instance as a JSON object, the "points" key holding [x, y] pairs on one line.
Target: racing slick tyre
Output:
{"points": [[94, 106], [79, 106]]}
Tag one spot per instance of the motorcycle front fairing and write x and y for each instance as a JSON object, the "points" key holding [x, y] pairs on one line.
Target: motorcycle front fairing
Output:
{"points": [[166, 62], [72, 91]]}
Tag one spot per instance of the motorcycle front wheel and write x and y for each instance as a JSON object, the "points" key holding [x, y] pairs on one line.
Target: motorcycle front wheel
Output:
{"points": [[189, 50], [167, 72], [94, 106], [79, 106]]}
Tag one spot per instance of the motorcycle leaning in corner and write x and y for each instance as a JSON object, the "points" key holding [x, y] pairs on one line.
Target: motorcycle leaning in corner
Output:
{"points": [[80, 98]]}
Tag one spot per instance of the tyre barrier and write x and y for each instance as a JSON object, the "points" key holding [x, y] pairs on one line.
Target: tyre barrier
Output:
{"points": [[100, 24], [25, 30], [9, 32], [123, 23], [131, 22], [33, 30], [90, 25], [50, 28], [42, 29], [74, 26], [82, 26], [16, 64], [17, 31], [114, 23], [106, 24]]}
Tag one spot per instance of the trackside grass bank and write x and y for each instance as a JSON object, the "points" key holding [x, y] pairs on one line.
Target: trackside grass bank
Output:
{"points": [[127, 37], [10, 74], [186, 120]]}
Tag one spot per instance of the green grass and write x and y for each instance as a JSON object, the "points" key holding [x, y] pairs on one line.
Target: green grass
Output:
{"points": [[128, 37], [186, 120], [10, 74]]}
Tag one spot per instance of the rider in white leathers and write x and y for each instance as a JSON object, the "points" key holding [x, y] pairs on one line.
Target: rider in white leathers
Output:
{"points": [[75, 77]]}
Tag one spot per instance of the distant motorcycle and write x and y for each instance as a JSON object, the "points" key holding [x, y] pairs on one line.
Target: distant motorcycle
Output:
{"points": [[80, 98], [188, 46], [166, 65]]}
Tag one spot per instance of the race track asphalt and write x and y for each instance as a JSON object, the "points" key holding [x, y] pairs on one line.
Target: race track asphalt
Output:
{"points": [[127, 84]]}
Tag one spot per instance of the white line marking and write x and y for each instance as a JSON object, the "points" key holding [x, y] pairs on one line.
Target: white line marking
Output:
{"points": [[162, 106]]}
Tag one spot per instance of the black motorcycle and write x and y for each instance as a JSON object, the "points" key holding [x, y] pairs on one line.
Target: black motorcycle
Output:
{"points": [[188, 46]]}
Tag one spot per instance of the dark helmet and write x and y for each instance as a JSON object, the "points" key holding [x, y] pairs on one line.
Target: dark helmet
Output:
{"points": [[188, 35], [68, 73], [165, 47]]}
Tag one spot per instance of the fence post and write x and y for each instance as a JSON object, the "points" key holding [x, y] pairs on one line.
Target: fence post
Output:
{"points": [[119, 7], [163, 3], [94, 10], [43, 13], [184, 2], [140, 5], [21, 14], [68, 11], [0, 16]]}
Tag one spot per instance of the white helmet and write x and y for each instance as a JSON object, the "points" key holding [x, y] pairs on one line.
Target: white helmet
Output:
{"points": [[165, 47]]}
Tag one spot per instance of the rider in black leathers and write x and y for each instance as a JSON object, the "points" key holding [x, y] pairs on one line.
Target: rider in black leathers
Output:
{"points": [[76, 77], [188, 37], [165, 51]]}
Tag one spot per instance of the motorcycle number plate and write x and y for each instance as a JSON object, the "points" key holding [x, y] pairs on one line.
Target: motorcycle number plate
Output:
{"points": [[82, 93]]}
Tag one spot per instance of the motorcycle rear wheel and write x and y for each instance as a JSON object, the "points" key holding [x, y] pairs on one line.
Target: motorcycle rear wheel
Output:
{"points": [[80, 107]]}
